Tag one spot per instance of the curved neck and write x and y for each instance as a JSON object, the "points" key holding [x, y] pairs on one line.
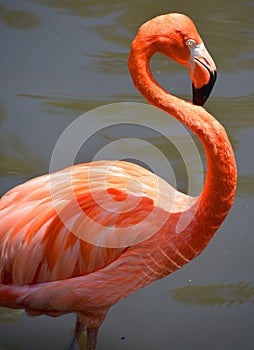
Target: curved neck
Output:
{"points": [[219, 189]]}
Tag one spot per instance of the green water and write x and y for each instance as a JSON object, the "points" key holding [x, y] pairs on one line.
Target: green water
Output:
{"points": [[59, 59]]}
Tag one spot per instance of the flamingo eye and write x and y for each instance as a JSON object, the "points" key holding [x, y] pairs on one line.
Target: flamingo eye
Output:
{"points": [[195, 49], [191, 42]]}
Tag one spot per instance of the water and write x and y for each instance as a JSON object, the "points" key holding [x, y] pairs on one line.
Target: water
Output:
{"points": [[61, 59]]}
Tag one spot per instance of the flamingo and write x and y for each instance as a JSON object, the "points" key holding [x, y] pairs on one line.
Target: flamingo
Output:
{"points": [[83, 238]]}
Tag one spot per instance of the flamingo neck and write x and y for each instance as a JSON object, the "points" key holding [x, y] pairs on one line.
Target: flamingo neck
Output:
{"points": [[218, 193]]}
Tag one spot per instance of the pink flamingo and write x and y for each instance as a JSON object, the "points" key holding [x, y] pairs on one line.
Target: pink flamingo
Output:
{"points": [[72, 252]]}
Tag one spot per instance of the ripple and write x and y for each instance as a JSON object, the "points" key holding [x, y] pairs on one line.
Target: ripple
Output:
{"points": [[234, 112], [215, 295], [23, 20], [245, 186]]}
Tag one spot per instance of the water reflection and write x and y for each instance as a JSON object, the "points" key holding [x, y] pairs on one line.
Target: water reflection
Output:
{"points": [[16, 159], [2, 112], [245, 186], [86, 8], [109, 62], [10, 315], [215, 295], [23, 20], [125, 17], [65, 105], [235, 113]]}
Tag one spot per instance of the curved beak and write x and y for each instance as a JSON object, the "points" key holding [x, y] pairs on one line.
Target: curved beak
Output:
{"points": [[203, 75]]}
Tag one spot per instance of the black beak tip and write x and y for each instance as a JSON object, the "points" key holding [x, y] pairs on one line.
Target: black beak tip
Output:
{"points": [[200, 95]]}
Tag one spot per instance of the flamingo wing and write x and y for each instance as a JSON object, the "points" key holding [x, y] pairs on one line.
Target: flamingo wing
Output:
{"points": [[62, 225]]}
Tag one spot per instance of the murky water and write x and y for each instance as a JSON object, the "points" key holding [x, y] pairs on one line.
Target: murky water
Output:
{"points": [[59, 59]]}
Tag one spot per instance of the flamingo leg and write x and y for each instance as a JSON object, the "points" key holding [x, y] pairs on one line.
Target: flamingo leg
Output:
{"points": [[92, 334], [79, 328]]}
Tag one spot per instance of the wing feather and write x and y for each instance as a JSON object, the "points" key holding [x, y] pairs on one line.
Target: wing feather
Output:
{"points": [[69, 223]]}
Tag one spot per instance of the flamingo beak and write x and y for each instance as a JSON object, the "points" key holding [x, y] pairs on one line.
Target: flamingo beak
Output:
{"points": [[203, 75]]}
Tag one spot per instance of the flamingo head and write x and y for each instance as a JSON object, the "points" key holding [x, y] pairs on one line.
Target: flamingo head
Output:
{"points": [[202, 71], [176, 36]]}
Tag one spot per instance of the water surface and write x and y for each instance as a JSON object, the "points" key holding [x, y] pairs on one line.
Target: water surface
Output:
{"points": [[60, 59]]}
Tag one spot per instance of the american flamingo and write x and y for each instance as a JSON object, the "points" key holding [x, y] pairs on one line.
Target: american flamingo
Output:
{"points": [[73, 250]]}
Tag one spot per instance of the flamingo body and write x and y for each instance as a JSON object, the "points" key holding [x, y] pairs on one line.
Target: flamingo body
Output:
{"points": [[81, 239], [33, 256]]}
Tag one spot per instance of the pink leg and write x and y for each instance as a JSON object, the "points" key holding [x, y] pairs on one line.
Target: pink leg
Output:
{"points": [[79, 328], [92, 334]]}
